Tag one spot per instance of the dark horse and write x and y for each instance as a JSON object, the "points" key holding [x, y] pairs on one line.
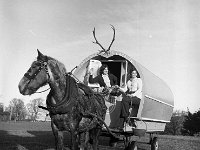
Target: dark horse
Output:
{"points": [[73, 106]]}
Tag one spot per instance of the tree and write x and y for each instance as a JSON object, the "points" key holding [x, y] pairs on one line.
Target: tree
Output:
{"points": [[17, 109], [175, 125], [1, 107], [33, 107], [191, 125]]}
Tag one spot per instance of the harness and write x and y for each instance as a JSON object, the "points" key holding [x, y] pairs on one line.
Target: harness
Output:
{"points": [[42, 65], [68, 101]]}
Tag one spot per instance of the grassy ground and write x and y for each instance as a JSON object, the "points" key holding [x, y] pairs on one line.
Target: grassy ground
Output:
{"points": [[38, 136]]}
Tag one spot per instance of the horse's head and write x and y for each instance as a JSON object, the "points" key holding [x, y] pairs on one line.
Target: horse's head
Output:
{"points": [[36, 76]]}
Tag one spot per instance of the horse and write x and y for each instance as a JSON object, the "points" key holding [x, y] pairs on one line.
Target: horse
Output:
{"points": [[72, 106]]}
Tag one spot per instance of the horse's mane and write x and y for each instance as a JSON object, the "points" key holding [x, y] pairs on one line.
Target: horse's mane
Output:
{"points": [[65, 82], [57, 67]]}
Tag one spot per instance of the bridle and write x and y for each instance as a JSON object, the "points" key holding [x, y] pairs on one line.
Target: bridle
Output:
{"points": [[43, 65]]}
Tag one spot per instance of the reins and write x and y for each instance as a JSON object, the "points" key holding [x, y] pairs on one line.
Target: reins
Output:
{"points": [[95, 116], [70, 73], [43, 64], [64, 99], [43, 90]]}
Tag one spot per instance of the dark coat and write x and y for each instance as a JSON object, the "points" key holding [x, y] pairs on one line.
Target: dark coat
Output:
{"points": [[99, 79]]}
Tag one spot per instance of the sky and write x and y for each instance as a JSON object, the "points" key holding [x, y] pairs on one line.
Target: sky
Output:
{"points": [[162, 35]]}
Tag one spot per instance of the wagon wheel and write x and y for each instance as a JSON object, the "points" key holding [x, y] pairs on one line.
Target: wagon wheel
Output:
{"points": [[154, 144], [131, 146], [113, 144]]}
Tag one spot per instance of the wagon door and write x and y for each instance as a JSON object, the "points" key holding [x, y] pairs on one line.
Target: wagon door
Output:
{"points": [[123, 78]]}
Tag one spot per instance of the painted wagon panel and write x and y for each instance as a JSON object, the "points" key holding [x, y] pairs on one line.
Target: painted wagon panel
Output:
{"points": [[158, 98]]}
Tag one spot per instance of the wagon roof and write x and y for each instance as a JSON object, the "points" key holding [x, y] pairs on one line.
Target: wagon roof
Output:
{"points": [[153, 86]]}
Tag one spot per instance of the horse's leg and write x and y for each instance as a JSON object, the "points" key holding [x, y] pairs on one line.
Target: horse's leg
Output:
{"points": [[86, 140], [74, 140], [58, 137], [94, 136], [83, 140]]}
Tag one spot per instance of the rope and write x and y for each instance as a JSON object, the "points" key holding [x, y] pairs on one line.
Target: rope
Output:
{"points": [[71, 74], [42, 107]]}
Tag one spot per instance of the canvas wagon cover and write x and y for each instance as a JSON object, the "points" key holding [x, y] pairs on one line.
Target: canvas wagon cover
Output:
{"points": [[157, 100]]}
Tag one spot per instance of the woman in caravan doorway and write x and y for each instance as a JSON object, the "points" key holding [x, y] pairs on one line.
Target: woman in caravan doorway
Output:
{"points": [[132, 94], [104, 79]]}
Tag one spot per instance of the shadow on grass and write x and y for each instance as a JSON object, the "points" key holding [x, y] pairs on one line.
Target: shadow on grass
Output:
{"points": [[39, 140], [23, 140], [34, 140]]}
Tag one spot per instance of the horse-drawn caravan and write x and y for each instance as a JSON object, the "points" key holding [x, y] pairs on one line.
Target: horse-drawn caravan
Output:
{"points": [[76, 105], [156, 106], [154, 110]]}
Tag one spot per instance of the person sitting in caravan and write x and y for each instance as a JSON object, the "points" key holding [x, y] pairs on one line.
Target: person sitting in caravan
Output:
{"points": [[104, 79], [132, 94]]}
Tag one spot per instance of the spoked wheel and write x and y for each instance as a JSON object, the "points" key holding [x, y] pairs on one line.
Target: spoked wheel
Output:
{"points": [[113, 142], [131, 146], [154, 144]]}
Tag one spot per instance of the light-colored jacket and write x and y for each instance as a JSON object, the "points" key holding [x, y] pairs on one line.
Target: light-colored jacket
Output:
{"points": [[134, 85]]}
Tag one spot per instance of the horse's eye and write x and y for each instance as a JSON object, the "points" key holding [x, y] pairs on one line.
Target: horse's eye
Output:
{"points": [[33, 67]]}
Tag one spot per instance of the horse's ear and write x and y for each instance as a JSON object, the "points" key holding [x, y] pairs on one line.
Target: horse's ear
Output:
{"points": [[41, 56]]}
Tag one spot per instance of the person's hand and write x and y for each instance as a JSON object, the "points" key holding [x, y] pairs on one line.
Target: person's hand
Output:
{"points": [[115, 87], [123, 86], [91, 71], [132, 95], [129, 95]]}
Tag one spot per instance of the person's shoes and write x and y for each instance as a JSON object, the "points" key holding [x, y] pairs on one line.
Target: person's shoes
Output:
{"points": [[121, 129]]}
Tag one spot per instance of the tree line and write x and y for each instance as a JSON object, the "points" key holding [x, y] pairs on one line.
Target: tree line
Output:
{"points": [[184, 123], [18, 111], [181, 123]]}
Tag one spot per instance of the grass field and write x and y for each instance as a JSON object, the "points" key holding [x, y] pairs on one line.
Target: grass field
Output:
{"points": [[38, 136]]}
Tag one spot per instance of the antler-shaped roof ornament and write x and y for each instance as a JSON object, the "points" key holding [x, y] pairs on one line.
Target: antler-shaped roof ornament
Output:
{"points": [[106, 51]]}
